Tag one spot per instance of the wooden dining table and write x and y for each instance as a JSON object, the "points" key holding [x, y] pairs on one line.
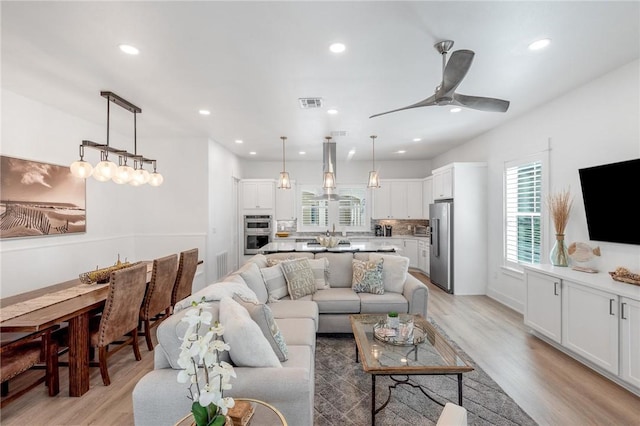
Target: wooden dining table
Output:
{"points": [[76, 311]]}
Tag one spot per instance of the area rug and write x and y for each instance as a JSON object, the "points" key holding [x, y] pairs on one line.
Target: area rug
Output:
{"points": [[343, 392]]}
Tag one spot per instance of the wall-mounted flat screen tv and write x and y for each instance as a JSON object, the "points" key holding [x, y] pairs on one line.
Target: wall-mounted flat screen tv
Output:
{"points": [[610, 194]]}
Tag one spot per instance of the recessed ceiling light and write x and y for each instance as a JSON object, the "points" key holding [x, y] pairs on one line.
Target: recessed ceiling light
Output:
{"points": [[456, 109], [540, 44], [332, 111], [402, 151], [128, 49], [302, 153], [337, 48], [204, 112], [417, 139], [252, 153], [238, 140]]}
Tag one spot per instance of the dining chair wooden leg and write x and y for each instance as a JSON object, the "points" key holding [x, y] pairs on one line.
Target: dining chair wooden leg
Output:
{"points": [[103, 354], [147, 334], [136, 346]]}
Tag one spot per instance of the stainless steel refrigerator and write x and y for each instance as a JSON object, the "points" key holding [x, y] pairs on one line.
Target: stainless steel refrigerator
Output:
{"points": [[441, 253]]}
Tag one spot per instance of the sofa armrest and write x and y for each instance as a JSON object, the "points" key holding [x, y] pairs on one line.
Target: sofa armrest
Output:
{"points": [[160, 358], [417, 294]]}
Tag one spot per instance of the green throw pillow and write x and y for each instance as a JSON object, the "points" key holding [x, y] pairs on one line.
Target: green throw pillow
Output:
{"points": [[367, 276]]}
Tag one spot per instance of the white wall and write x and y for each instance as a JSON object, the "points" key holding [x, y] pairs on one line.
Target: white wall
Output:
{"points": [[597, 123], [138, 223], [347, 171]]}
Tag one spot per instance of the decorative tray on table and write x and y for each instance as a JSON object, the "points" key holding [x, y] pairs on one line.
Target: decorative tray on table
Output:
{"points": [[407, 333], [103, 275]]}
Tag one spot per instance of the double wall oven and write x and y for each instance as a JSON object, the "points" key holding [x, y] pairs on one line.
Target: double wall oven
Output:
{"points": [[257, 232]]}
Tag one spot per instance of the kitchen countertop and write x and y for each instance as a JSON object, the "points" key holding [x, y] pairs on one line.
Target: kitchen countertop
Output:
{"points": [[278, 247]]}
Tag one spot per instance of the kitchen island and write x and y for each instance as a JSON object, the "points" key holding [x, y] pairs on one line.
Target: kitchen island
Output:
{"points": [[289, 246]]}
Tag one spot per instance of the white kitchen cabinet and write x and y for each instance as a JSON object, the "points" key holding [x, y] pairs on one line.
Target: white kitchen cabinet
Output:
{"points": [[414, 200], [286, 203], [443, 182], [590, 324], [411, 251], [543, 305], [257, 194], [427, 195], [398, 199], [423, 256], [630, 340]]}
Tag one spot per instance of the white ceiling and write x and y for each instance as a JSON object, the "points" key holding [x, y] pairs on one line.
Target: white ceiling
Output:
{"points": [[249, 62]]}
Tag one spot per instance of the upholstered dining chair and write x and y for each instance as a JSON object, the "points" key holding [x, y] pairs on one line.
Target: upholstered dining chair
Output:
{"points": [[157, 301], [21, 352], [187, 266], [119, 317]]}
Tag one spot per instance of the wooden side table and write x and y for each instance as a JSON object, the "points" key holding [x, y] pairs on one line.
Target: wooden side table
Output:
{"points": [[265, 415]]}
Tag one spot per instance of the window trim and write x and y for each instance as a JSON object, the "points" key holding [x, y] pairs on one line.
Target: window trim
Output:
{"points": [[543, 158]]}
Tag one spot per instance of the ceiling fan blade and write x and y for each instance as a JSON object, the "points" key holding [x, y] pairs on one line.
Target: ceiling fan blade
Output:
{"points": [[427, 102], [455, 70], [480, 103]]}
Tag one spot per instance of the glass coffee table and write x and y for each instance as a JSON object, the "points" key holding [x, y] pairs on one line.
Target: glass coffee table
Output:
{"points": [[387, 353]]}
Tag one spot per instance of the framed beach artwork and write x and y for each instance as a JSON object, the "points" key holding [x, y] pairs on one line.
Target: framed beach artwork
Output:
{"points": [[38, 199]]}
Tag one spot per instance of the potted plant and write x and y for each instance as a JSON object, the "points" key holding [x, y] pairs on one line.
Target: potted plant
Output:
{"points": [[393, 320]]}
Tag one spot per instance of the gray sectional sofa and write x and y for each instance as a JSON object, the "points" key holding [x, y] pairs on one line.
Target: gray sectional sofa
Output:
{"points": [[158, 399]]}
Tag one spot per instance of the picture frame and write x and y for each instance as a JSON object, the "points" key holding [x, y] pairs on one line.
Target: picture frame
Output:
{"points": [[40, 199]]}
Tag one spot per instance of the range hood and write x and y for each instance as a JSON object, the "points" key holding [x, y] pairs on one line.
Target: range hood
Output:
{"points": [[329, 165]]}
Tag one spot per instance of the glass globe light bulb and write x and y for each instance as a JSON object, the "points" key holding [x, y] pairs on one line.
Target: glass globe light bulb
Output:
{"points": [[81, 169], [105, 170], [123, 174], [156, 179]]}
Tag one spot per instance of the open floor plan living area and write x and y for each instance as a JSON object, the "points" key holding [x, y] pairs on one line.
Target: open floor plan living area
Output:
{"points": [[246, 213]]}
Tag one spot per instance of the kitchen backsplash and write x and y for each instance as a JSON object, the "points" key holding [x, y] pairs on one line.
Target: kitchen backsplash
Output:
{"points": [[400, 226]]}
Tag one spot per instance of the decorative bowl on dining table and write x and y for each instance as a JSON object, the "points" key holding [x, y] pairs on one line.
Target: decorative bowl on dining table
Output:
{"points": [[103, 275]]}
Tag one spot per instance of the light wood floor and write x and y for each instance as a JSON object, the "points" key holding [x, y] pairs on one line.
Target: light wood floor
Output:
{"points": [[550, 386]]}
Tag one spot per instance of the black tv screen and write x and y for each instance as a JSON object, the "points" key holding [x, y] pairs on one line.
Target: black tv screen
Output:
{"points": [[610, 194]]}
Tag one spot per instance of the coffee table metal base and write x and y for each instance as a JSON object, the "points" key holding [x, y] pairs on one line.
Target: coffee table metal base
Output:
{"points": [[406, 381]]}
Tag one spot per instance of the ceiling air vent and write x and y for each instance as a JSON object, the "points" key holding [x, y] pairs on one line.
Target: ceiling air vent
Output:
{"points": [[339, 133], [306, 103]]}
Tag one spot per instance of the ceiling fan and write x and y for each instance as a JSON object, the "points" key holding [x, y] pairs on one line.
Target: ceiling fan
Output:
{"points": [[453, 72]]}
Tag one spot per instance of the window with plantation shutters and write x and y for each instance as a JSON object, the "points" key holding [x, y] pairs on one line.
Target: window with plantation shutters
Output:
{"points": [[349, 212], [315, 213], [523, 208], [352, 207]]}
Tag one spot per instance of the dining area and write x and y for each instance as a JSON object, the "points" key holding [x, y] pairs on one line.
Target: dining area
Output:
{"points": [[80, 326]]}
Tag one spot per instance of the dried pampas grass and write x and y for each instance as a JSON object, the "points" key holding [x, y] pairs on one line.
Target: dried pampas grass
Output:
{"points": [[560, 207]]}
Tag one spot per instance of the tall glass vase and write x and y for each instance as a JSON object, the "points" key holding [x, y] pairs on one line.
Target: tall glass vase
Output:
{"points": [[559, 255]]}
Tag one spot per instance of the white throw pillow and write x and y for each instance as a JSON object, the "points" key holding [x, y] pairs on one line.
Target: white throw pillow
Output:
{"points": [[249, 347], [274, 281], [320, 268], [251, 275], [395, 271]]}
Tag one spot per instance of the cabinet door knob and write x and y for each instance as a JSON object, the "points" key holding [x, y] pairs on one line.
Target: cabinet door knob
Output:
{"points": [[622, 305], [555, 289]]}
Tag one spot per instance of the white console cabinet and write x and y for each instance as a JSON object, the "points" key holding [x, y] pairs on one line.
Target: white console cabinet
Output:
{"points": [[543, 305], [590, 317]]}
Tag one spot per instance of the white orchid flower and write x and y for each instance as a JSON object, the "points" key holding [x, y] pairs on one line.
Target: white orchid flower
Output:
{"points": [[225, 404]]}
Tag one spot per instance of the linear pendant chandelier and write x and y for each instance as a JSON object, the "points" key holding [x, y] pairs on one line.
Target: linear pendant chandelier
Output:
{"points": [[107, 170]]}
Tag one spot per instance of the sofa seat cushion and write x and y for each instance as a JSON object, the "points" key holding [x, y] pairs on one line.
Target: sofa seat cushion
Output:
{"points": [[340, 268], [298, 331], [296, 309], [382, 303], [337, 300]]}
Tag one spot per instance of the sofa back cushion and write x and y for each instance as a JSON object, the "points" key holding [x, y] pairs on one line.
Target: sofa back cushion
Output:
{"points": [[395, 271], [272, 258], [340, 268]]}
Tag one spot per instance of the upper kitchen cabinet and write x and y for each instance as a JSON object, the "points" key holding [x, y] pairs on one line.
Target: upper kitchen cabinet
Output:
{"points": [[286, 203], [398, 199], [257, 194], [443, 183], [427, 195]]}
